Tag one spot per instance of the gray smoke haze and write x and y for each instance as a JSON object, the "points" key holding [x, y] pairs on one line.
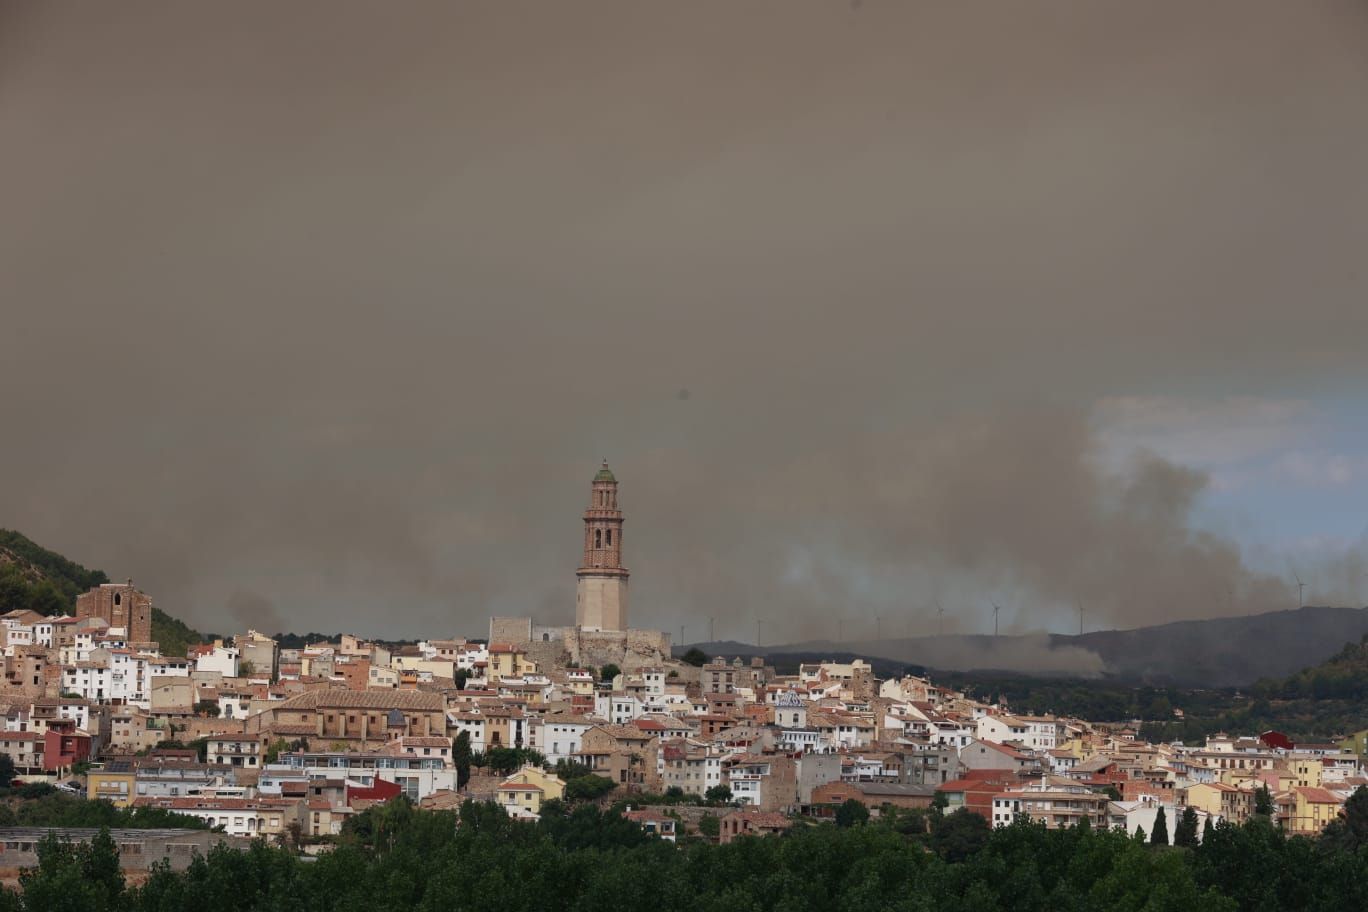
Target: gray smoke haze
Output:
{"points": [[251, 611], [330, 310]]}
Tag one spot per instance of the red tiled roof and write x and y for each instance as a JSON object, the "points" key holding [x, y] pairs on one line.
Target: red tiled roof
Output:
{"points": [[1317, 795]]}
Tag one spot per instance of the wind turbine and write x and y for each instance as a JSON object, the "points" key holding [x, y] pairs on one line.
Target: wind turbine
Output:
{"points": [[1301, 587], [940, 617], [996, 608], [1080, 617]]}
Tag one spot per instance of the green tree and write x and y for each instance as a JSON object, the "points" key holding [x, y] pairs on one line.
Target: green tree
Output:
{"points": [[506, 760], [571, 769], [1159, 835], [59, 883], [100, 867], [851, 813], [460, 754], [274, 750], [1207, 829], [6, 770], [1263, 801], [588, 788], [709, 826], [1185, 833], [718, 794], [960, 836], [207, 708], [608, 672], [695, 657]]}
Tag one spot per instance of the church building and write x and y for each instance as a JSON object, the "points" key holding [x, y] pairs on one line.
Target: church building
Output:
{"points": [[601, 633]]}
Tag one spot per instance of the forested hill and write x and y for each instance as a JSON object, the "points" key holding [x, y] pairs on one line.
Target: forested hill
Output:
{"points": [[34, 578], [40, 580], [1343, 676]]}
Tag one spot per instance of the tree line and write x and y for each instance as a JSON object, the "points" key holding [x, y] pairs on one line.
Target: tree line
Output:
{"points": [[393, 857]]}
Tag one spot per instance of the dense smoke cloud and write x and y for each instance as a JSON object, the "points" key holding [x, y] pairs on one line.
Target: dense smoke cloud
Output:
{"points": [[337, 307]]}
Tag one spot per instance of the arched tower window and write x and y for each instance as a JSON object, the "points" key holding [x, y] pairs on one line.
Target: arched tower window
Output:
{"points": [[608, 538], [118, 599], [598, 538]]}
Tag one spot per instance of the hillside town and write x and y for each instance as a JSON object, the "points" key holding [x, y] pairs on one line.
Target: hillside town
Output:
{"points": [[287, 744]]}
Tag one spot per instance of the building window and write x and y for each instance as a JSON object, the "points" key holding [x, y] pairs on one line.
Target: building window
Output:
{"points": [[598, 538], [608, 538]]}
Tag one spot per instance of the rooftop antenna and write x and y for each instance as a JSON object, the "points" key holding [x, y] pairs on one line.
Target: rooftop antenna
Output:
{"points": [[996, 608], [1301, 588]]}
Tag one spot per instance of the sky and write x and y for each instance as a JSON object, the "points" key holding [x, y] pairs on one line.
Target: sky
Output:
{"points": [[321, 316]]}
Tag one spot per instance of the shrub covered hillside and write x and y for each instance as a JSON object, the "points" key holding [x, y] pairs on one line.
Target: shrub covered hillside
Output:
{"points": [[395, 858], [40, 580], [36, 579]]}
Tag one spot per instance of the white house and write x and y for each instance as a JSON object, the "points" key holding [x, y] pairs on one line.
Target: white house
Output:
{"points": [[560, 735], [223, 659], [1001, 728]]}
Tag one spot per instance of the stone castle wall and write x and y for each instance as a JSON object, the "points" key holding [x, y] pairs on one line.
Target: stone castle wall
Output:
{"points": [[557, 647], [628, 649], [510, 630]]}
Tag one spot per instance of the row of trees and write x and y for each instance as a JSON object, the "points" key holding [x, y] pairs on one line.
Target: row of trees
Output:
{"points": [[392, 857], [45, 806]]}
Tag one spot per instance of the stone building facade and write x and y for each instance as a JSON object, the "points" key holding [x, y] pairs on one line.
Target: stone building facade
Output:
{"points": [[119, 605]]}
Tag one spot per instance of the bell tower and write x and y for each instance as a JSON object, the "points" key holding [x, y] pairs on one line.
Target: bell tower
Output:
{"points": [[601, 593]]}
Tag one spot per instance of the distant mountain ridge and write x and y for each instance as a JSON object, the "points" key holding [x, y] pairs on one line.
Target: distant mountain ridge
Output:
{"points": [[36, 579], [1218, 652]]}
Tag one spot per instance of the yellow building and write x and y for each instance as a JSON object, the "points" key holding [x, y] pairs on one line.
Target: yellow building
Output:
{"points": [[1220, 800], [508, 661], [113, 784], [1316, 807], [1357, 743], [522, 793], [1306, 770]]}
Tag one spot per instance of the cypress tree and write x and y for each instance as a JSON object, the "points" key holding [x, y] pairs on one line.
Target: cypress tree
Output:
{"points": [[1159, 835], [1185, 834], [460, 755]]}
